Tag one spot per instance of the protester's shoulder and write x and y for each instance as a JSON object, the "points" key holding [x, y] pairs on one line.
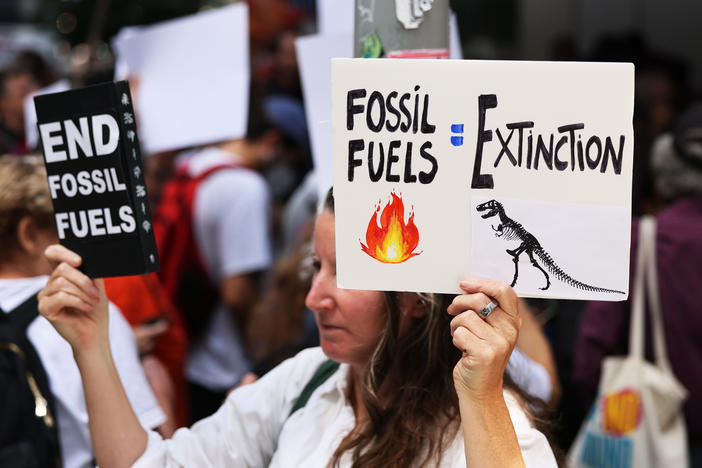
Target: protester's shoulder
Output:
{"points": [[535, 448], [237, 179]]}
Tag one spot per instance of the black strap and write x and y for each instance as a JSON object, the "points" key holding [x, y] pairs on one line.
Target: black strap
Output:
{"points": [[21, 316], [321, 375]]}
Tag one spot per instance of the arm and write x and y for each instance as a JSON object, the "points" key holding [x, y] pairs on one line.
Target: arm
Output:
{"points": [[240, 293], [532, 341], [77, 307], [489, 436]]}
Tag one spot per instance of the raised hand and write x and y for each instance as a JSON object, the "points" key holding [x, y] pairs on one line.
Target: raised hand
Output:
{"points": [[74, 304], [486, 343]]}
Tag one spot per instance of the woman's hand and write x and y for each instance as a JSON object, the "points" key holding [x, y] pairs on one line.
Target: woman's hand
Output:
{"points": [[486, 343], [74, 304]]}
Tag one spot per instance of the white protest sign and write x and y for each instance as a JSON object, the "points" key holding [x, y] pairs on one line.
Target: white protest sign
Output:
{"points": [[517, 171], [335, 17], [30, 113], [193, 78], [314, 54]]}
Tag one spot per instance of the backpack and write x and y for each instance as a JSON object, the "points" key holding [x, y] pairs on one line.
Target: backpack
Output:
{"points": [[183, 273], [28, 431]]}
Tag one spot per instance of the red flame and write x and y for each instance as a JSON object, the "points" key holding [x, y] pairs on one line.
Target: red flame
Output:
{"points": [[393, 241]]}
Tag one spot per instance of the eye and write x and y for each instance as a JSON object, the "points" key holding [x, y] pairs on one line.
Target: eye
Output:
{"points": [[315, 264], [309, 267]]}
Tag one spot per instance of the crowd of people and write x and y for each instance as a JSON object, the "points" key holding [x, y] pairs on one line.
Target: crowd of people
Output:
{"points": [[252, 356]]}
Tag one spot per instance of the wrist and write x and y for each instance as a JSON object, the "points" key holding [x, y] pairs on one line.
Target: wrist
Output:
{"points": [[97, 352]]}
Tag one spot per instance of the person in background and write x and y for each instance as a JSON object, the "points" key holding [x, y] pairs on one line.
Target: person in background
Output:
{"points": [[604, 330], [26, 229], [16, 83], [413, 380], [231, 225]]}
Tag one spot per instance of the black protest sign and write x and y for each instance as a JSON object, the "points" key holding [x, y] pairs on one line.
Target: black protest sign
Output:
{"points": [[96, 178]]}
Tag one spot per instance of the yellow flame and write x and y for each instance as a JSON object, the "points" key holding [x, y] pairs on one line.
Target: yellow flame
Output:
{"points": [[392, 248]]}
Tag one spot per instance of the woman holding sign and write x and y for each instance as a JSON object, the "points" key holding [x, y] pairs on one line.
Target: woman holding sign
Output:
{"points": [[416, 386]]}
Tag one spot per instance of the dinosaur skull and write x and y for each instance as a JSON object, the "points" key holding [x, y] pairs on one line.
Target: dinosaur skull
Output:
{"points": [[492, 207]]}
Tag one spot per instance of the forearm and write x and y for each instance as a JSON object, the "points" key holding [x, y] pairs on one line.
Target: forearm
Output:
{"points": [[117, 436], [488, 433]]}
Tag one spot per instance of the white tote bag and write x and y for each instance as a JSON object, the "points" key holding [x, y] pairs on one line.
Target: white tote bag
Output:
{"points": [[636, 420]]}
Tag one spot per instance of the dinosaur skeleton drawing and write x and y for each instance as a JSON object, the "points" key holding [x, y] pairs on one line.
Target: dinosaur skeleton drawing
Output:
{"points": [[508, 229]]}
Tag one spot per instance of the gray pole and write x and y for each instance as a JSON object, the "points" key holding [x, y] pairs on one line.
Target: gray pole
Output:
{"points": [[409, 28]]}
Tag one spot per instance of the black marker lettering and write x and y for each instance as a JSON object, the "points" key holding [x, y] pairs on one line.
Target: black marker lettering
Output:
{"points": [[427, 177], [351, 108], [409, 177], [485, 101], [375, 97], [392, 110], [375, 175], [354, 147], [392, 159]]}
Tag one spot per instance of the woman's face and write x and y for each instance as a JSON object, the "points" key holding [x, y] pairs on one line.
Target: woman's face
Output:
{"points": [[350, 322]]}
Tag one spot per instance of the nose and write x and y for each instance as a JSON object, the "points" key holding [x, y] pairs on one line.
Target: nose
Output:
{"points": [[320, 296]]}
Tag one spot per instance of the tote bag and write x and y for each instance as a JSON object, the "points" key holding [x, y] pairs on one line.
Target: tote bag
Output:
{"points": [[636, 420]]}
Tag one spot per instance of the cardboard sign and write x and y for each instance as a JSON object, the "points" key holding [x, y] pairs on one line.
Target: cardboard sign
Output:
{"points": [[516, 171], [193, 77], [96, 179]]}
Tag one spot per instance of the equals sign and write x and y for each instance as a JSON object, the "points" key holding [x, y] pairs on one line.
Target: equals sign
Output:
{"points": [[457, 140]]}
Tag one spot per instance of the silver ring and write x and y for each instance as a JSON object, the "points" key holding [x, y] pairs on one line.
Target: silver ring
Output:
{"points": [[487, 310]]}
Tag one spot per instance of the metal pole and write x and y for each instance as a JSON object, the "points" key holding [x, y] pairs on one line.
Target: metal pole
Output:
{"points": [[401, 28]]}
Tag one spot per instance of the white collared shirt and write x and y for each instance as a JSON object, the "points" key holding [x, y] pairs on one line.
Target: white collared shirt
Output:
{"points": [[253, 427]]}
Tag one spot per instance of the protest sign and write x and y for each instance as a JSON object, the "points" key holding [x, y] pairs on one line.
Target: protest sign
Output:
{"points": [[30, 115], [314, 54], [517, 171], [193, 77], [96, 179]]}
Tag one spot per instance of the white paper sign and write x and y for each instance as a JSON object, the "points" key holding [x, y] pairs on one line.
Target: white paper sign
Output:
{"points": [[193, 78], [30, 113], [517, 171], [314, 54]]}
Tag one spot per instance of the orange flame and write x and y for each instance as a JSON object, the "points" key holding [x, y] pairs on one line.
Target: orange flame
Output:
{"points": [[393, 241]]}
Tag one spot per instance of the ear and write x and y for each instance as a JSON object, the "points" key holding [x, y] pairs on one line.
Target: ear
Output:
{"points": [[413, 305], [28, 236]]}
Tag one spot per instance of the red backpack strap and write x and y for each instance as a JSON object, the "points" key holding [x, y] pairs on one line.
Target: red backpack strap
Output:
{"points": [[183, 274]]}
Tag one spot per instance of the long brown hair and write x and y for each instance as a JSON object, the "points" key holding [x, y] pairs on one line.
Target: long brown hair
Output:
{"points": [[407, 389]]}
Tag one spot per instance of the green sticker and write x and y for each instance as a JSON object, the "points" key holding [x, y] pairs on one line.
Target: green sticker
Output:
{"points": [[372, 48]]}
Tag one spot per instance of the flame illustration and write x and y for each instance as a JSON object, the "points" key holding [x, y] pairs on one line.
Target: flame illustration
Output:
{"points": [[393, 241]]}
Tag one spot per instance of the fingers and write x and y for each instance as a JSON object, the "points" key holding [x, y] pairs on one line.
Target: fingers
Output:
{"points": [[476, 325], [50, 305], [465, 302], [57, 253], [504, 320], [64, 284], [505, 295], [500, 339]]}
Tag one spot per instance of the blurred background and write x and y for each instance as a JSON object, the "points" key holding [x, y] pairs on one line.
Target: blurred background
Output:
{"points": [[71, 39]]}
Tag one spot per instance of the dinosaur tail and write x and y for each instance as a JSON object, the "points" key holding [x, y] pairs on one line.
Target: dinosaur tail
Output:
{"points": [[565, 277]]}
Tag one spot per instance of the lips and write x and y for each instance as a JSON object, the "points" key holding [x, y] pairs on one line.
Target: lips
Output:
{"points": [[328, 327]]}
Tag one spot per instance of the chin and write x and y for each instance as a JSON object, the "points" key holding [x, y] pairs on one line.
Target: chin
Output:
{"points": [[332, 351]]}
